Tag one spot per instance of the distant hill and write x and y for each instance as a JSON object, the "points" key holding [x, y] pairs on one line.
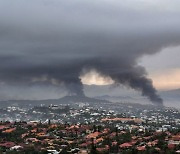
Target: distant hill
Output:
{"points": [[63, 100], [171, 97], [172, 93], [114, 98], [75, 99]]}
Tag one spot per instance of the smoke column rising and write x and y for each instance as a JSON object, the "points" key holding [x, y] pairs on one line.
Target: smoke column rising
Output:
{"points": [[53, 41]]}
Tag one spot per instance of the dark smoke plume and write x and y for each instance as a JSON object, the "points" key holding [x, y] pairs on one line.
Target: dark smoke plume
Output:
{"points": [[53, 41]]}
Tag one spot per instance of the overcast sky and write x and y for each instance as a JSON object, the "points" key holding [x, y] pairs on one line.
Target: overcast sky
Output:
{"points": [[164, 68], [68, 43]]}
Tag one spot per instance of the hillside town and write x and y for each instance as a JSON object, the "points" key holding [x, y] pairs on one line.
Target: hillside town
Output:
{"points": [[112, 135], [87, 128], [89, 112]]}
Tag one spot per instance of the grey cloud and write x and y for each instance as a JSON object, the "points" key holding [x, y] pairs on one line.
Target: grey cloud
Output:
{"points": [[60, 38]]}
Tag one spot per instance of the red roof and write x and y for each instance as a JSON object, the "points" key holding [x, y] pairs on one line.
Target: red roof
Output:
{"points": [[102, 149], [10, 130], [114, 143], [171, 146], [125, 145], [133, 142], [141, 148], [83, 145], [93, 135], [2, 127], [176, 138], [7, 144]]}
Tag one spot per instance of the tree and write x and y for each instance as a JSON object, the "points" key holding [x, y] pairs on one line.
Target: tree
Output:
{"points": [[93, 147]]}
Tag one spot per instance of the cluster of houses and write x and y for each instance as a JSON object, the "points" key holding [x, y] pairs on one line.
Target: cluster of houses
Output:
{"points": [[109, 137]]}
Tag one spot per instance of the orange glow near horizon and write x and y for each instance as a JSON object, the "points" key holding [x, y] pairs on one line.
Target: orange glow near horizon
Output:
{"points": [[165, 80], [93, 77]]}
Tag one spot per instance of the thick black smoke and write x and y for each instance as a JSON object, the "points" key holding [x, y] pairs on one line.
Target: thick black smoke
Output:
{"points": [[53, 41]]}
